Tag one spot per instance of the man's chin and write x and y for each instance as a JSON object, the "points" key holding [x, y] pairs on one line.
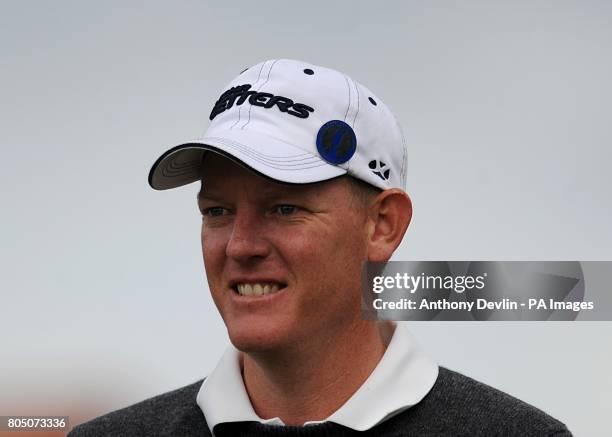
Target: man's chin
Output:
{"points": [[257, 339]]}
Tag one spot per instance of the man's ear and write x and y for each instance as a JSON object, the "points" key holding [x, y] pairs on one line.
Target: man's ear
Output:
{"points": [[390, 213]]}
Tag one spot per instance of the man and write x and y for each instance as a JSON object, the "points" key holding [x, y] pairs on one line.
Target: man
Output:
{"points": [[302, 176]]}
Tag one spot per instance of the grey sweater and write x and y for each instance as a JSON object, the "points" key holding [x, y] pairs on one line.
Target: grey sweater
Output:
{"points": [[455, 406]]}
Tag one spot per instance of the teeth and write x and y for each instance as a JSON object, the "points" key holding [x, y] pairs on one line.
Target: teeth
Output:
{"points": [[257, 289]]}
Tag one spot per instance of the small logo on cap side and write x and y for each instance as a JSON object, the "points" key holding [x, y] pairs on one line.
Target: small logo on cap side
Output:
{"points": [[380, 169], [336, 142]]}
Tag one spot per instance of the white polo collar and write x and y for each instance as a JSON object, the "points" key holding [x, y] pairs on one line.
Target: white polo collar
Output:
{"points": [[403, 377]]}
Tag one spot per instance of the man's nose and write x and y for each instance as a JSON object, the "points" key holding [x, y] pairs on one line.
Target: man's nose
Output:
{"points": [[248, 238]]}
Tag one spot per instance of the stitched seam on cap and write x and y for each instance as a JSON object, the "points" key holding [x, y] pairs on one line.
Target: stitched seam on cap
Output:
{"points": [[357, 112], [240, 109], [263, 155], [259, 89], [260, 156], [249, 152], [348, 164], [349, 97], [238, 146]]}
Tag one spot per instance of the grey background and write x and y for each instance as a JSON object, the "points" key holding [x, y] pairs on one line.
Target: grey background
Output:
{"points": [[506, 108]]}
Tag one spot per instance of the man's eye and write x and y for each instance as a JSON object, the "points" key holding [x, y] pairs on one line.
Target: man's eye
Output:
{"points": [[214, 211], [286, 209]]}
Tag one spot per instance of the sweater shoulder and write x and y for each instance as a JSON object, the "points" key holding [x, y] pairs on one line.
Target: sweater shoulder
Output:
{"points": [[172, 413], [480, 409]]}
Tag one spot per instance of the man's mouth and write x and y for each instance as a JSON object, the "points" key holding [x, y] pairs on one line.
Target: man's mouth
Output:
{"points": [[257, 288]]}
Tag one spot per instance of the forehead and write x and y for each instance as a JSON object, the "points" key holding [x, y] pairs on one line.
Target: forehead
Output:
{"points": [[221, 175]]}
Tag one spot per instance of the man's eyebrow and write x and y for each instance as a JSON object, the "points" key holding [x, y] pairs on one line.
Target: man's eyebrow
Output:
{"points": [[272, 193], [206, 196]]}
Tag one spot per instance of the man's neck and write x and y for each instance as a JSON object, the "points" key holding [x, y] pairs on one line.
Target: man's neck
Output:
{"points": [[310, 382]]}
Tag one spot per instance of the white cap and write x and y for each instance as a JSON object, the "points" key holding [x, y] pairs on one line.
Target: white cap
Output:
{"points": [[297, 123]]}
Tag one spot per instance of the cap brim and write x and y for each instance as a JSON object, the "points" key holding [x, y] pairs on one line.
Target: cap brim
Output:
{"points": [[266, 155]]}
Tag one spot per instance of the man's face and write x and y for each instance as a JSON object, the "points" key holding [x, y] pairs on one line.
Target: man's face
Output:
{"points": [[307, 241]]}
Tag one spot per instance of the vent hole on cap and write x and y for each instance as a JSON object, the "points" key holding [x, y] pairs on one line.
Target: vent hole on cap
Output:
{"points": [[372, 101], [308, 71]]}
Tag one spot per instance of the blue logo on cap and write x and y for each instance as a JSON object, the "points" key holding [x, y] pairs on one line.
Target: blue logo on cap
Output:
{"points": [[336, 142]]}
